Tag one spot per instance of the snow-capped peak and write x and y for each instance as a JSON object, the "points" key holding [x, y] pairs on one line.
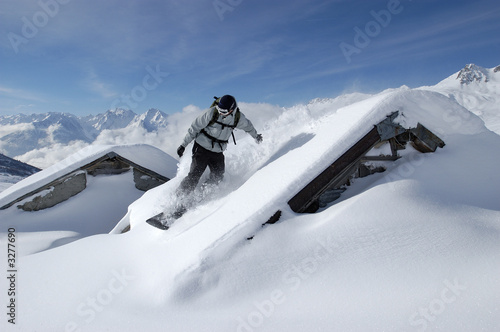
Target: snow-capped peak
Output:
{"points": [[112, 119], [477, 89], [473, 73], [151, 120]]}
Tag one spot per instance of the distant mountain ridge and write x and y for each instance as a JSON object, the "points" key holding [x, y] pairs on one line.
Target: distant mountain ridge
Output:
{"points": [[112, 119], [23, 133], [12, 167]]}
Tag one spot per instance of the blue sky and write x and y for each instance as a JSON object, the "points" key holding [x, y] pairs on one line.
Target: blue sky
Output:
{"points": [[86, 57]]}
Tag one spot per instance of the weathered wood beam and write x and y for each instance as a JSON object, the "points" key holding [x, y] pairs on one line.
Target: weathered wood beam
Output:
{"points": [[424, 140], [335, 172], [380, 158]]}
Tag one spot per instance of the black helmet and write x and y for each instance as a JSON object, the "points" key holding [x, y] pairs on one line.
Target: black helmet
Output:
{"points": [[226, 105]]}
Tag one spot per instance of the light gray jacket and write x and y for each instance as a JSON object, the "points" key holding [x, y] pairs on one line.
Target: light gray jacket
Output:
{"points": [[215, 130]]}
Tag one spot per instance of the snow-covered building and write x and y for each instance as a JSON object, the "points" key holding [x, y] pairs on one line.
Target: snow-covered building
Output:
{"points": [[149, 167]]}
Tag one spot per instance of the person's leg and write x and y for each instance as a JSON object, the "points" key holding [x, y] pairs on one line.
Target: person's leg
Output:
{"points": [[217, 168], [199, 163]]}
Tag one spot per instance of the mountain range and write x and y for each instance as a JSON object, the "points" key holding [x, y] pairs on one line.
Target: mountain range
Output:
{"points": [[22, 133]]}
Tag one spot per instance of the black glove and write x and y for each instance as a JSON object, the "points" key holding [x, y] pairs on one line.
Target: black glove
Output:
{"points": [[258, 139], [180, 150]]}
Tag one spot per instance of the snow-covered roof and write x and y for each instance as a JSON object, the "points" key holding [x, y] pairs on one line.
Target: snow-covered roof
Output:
{"points": [[147, 156]]}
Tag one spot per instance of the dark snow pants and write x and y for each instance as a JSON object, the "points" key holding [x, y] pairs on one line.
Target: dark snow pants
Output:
{"points": [[200, 160]]}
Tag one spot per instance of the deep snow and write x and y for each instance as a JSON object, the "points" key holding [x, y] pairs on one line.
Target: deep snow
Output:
{"points": [[412, 249]]}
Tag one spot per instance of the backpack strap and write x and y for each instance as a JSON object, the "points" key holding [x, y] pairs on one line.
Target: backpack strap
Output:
{"points": [[235, 123], [237, 116], [214, 140], [215, 116], [216, 101]]}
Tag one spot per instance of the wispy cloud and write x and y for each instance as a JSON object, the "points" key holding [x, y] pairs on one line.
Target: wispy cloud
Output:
{"points": [[23, 108], [438, 33], [21, 94], [95, 84], [455, 26]]}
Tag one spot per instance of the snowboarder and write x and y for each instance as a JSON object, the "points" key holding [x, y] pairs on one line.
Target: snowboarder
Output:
{"points": [[211, 132]]}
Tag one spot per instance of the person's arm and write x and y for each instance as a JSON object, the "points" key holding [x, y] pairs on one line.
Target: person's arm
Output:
{"points": [[246, 125], [198, 124]]}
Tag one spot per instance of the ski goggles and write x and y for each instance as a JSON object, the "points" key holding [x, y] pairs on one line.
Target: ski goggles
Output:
{"points": [[223, 111]]}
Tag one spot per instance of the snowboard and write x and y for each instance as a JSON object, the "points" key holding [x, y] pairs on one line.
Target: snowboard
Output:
{"points": [[164, 220], [180, 205]]}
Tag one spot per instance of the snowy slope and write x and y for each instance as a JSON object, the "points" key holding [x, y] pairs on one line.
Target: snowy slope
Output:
{"points": [[477, 89], [415, 248]]}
